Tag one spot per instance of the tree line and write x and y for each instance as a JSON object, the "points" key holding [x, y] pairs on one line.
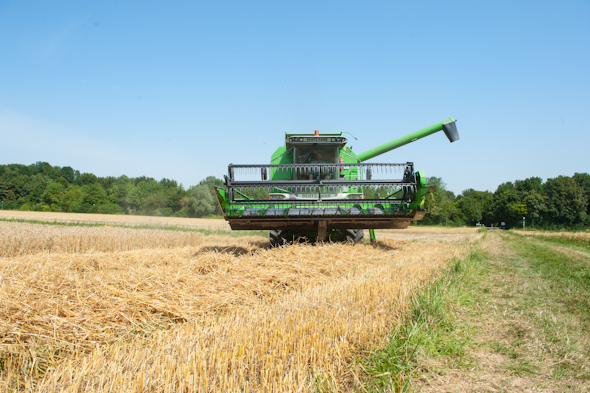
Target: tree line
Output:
{"points": [[561, 202], [43, 187]]}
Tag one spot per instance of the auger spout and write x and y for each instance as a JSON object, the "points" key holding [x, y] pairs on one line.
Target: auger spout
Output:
{"points": [[448, 126]]}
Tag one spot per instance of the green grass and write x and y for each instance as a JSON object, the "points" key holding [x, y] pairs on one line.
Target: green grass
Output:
{"points": [[204, 231], [431, 330], [569, 278], [559, 240], [557, 304], [524, 304]]}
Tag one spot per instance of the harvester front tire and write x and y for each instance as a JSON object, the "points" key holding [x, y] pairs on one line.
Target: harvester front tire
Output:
{"points": [[355, 236], [278, 238], [274, 238]]}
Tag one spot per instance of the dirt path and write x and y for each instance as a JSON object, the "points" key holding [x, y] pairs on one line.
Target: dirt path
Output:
{"points": [[521, 335]]}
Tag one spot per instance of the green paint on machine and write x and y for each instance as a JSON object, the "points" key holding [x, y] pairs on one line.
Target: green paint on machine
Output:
{"points": [[317, 185]]}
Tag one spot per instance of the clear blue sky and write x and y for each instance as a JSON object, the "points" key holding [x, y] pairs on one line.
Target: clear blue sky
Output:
{"points": [[181, 89]]}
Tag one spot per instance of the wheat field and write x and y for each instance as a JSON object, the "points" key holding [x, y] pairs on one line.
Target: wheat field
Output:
{"points": [[141, 310], [579, 236], [117, 219]]}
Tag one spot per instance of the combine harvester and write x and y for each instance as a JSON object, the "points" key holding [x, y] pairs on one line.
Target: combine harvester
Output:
{"points": [[317, 187]]}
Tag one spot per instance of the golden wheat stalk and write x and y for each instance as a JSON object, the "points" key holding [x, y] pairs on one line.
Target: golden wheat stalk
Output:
{"points": [[222, 314]]}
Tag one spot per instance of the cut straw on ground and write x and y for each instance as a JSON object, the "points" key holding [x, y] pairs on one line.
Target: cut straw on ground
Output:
{"points": [[221, 314]]}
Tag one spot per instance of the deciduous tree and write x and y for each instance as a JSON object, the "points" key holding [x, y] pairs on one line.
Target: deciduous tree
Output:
{"points": [[566, 202]]}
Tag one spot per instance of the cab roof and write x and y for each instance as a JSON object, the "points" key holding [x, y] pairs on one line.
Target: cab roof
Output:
{"points": [[288, 134]]}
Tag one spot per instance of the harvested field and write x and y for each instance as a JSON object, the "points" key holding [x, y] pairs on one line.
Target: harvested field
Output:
{"points": [[419, 230], [25, 239], [580, 236], [115, 219], [416, 233], [153, 310]]}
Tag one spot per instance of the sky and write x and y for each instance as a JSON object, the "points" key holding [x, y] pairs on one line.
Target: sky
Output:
{"points": [[180, 89]]}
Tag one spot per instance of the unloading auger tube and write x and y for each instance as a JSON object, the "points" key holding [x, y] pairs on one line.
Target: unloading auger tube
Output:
{"points": [[316, 186]]}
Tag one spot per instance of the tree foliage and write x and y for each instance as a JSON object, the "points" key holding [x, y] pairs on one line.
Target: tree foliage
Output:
{"points": [[561, 202], [41, 186], [566, 202]]}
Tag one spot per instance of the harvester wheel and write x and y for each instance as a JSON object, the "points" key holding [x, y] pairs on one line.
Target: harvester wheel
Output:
{"points": [[355, 235], [278, 238]]}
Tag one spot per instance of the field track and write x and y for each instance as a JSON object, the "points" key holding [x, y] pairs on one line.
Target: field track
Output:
{"points": [[120, 309]]}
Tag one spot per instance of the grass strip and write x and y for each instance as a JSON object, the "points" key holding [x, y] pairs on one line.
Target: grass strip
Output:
{"points": [[558, 306], [569, 277], [432, 328], [562, 240], [522, 302], [204, 231]]}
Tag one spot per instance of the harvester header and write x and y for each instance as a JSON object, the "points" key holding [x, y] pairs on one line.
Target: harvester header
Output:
{"points": [[316, 186]]}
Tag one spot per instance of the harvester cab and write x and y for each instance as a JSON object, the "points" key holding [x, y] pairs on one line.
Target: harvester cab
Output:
{"points": [[317, 187]]}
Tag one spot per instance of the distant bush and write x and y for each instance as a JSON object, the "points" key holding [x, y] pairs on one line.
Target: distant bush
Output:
{"points": [[164, 211], [110, 208], [26, 207], [88, 208], [55, 208], [45, 208]]}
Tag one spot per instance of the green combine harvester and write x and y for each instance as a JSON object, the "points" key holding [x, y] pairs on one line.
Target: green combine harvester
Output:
{"points": [[317, 188]]}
